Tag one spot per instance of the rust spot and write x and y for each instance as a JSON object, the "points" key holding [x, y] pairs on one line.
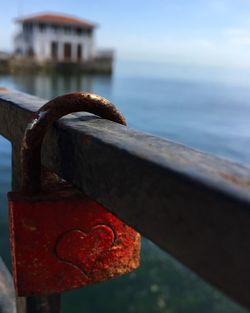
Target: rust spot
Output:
{"points": [[236, 180]]}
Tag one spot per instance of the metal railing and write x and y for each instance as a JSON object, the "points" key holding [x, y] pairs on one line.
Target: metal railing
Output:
{"points": [[193, 205]]}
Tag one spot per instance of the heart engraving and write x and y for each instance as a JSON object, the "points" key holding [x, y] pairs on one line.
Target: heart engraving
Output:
{"points": [[84, 249]]}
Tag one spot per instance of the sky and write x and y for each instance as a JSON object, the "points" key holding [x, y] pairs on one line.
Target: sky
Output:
{"points": [[199, 32]]}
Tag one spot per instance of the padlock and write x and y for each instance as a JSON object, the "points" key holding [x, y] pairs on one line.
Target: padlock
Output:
{"points": [[60, 238]]}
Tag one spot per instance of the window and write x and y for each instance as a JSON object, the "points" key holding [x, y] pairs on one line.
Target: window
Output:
{"points": [[89, 32], [54, 50], [80, 31], [55, 28], [67, 30], [42, 27], [79, 52], [67, 51], [27, 27]]}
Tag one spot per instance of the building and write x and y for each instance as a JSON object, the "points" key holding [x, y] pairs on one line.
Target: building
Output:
{"points": [[59, 39]]}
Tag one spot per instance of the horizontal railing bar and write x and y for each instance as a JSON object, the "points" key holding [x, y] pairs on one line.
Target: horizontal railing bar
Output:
{"points": [[193, 205], [7, 293]]}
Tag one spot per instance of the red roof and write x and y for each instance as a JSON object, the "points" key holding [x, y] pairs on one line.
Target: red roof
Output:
{"points": [[57, 19]]}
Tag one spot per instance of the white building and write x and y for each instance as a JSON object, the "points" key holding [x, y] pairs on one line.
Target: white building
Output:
{"points": [[55, 38]]}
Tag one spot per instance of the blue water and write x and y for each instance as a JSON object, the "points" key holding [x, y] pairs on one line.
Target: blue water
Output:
{"points": [[206, 108]]}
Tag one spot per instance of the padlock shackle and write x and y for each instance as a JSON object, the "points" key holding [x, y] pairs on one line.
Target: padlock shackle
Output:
{"points": [[45, 117]]}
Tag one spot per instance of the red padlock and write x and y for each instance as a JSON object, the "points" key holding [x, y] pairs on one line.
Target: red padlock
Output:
{"points": [[60, 238]]}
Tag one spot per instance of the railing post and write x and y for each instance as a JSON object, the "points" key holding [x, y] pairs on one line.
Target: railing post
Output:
{"points": [[35, 304]]}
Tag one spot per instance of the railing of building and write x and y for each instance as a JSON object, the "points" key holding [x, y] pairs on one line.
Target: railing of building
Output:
{"points": [[193, 205]]}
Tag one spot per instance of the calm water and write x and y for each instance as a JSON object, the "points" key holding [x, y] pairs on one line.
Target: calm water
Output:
{"points": [[208, 109]]}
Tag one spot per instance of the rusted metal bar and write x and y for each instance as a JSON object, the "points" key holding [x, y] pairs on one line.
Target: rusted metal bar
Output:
{"points": [[45, 117], [193, 205], [7, 293]]}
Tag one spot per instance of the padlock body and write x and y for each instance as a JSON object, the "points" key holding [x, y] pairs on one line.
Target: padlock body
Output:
{"points": [[64, 242]]}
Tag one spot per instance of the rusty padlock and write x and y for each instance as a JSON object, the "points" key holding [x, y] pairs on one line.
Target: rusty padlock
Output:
{"points": [[60, 238]]}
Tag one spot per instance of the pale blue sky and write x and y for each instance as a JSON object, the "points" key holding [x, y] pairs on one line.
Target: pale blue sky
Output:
{"points": [[207, 32]]}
